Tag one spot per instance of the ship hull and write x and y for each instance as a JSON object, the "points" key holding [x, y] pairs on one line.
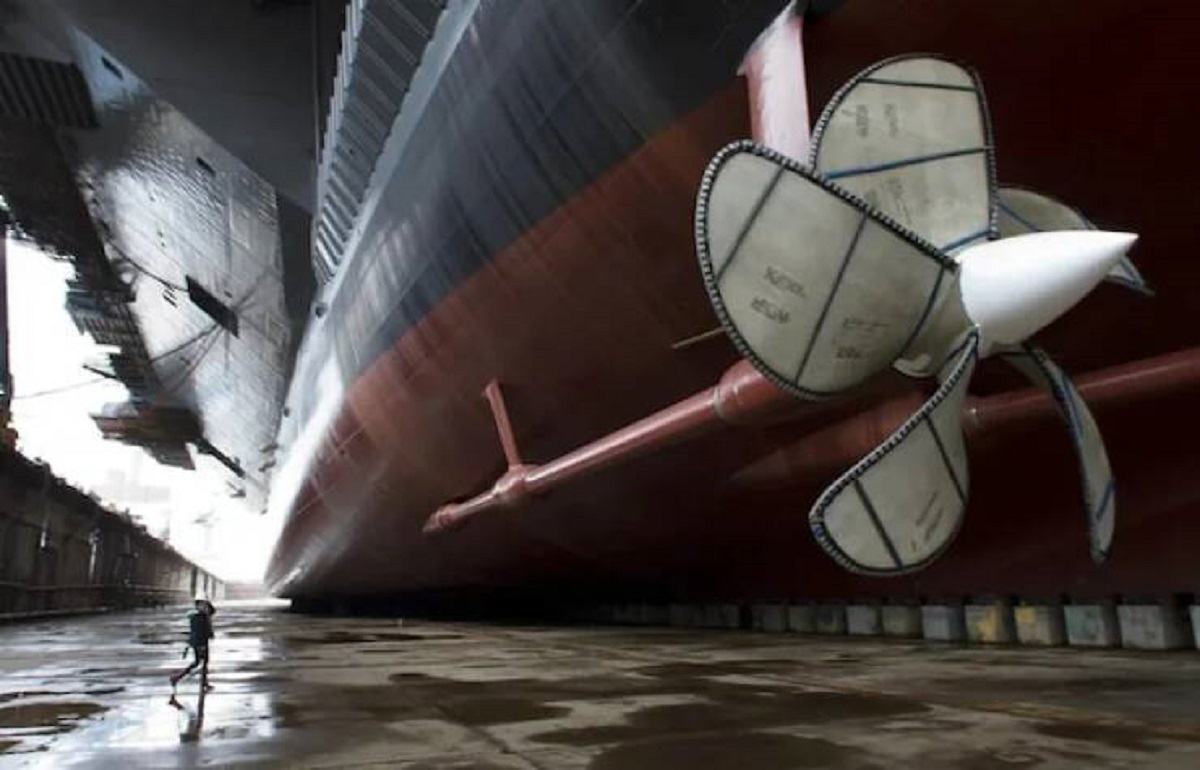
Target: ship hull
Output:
{"points": [[578, 307]]}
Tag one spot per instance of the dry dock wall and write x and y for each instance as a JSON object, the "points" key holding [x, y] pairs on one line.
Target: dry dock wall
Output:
{"points": [[61, 551]]}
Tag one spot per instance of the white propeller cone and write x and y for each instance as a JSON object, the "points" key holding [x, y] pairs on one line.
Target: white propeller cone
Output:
{"points": [[1014, 287]]}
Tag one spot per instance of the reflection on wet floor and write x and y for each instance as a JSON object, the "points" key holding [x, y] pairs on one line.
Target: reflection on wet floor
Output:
{"points": [[301, 691], [191, 723]]}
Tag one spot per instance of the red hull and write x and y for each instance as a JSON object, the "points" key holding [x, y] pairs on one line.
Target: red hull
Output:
{"points": [[577, 321]]}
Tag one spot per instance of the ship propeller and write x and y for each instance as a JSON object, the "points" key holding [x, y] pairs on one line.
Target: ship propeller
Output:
{"points": [[894, 247]]}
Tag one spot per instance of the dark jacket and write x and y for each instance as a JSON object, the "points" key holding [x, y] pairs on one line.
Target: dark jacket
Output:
{"points": [[200, 629]]}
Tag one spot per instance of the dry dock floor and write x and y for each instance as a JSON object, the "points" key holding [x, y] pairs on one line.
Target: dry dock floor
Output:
{"points": [[296, 691]]}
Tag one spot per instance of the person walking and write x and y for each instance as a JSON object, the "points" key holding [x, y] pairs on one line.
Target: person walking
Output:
{"points": [[200, 631]]}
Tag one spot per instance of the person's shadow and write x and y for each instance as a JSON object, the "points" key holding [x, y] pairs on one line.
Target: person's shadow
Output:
{"points": [[193, 720]]}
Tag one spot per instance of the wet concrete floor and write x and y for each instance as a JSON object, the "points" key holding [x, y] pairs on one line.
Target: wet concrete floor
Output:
{"points": [[296, 691]]}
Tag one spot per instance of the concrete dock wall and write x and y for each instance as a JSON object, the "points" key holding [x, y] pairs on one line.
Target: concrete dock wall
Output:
{"points": [[62, 551]]}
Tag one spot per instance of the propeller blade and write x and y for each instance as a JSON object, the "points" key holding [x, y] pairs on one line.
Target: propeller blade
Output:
{"points": [[1098, 484], [814, 288], [901, 506], [911, 137], [1024, 211]]}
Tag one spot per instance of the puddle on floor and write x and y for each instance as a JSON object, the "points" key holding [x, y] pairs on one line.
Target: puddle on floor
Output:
{"points": [[55, 716], [740, 710], [484, 712]]}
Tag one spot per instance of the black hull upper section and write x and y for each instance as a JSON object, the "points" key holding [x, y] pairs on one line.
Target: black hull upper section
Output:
{"points": [[534, 103]]}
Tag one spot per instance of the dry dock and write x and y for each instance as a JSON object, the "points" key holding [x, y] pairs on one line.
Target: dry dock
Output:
{"points": [[298, 691]]}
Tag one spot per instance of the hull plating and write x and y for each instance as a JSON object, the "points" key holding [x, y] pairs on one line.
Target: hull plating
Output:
{"points": [[576, 304]]}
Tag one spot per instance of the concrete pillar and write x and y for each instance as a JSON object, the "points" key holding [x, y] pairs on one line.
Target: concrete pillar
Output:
{"points": [[830, 619], [901, 620], [943, 623], [769, 617], [863, 620], [990, 623], [1152, 626], [802, 618], [1091, 625], [1040, 625]]}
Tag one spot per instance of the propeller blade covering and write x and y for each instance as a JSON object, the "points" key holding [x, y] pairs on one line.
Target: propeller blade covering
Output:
{"points": [[814, 288]]}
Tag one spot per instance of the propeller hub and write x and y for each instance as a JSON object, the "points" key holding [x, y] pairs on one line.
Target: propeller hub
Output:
{"points": [[1014, 287]]}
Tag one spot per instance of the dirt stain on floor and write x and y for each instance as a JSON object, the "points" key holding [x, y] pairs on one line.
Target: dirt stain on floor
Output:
{"points": [[746, 751]]}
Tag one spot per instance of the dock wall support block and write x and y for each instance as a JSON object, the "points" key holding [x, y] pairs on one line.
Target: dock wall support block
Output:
{"points": [[1092, 625], [802, 618], [769, 617], [943, 623], [831, 619], [990, 623], [863, 620], [901, 620], [1165, 625], [1152, 626], [722, 616], [1040, 625]]}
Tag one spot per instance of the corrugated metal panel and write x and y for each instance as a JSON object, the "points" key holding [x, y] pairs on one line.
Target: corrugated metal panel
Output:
{"points": [[382, 47], [44, 92]]}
